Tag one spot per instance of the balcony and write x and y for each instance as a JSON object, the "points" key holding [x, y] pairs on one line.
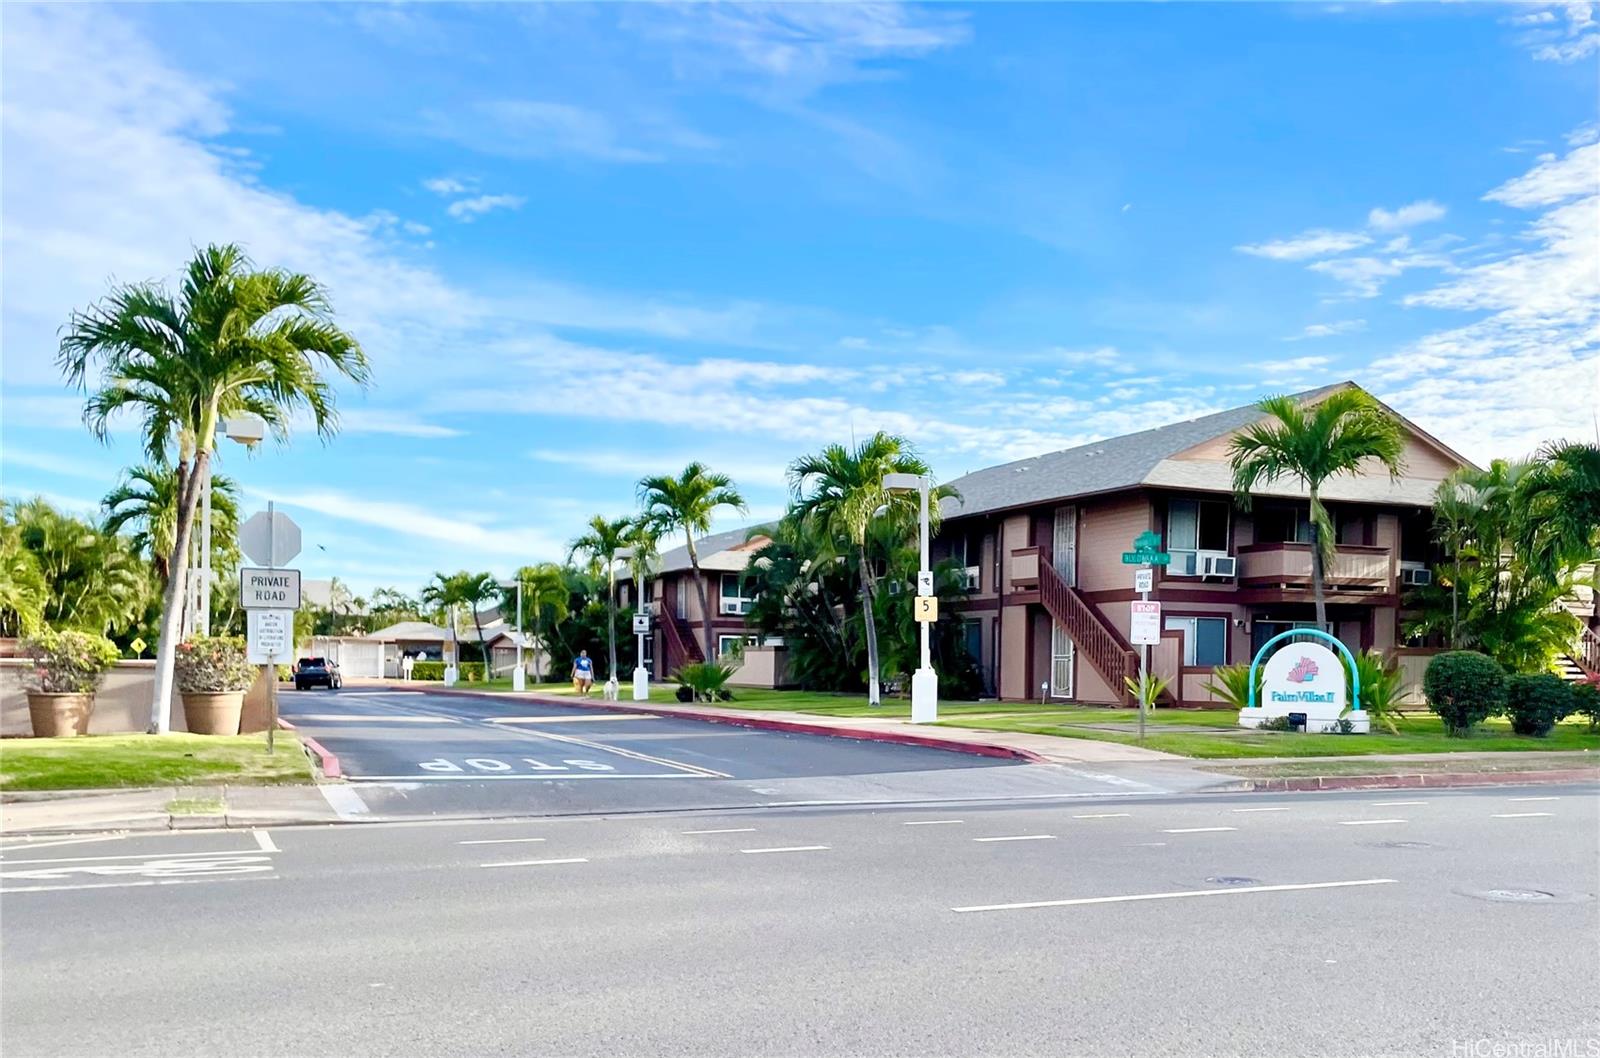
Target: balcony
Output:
{"points": [[1025, 567], [1356, 568]]}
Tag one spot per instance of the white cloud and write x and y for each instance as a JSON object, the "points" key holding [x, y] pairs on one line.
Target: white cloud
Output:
{"points": [[458, 528], [446, 185], [1406, 216], [50, 463], [392, 422], [466, 209], [1563, 33], [633, 465], [1297, 366], [1553, 180], [540, 128], [1319, 242], [1328, 330]]}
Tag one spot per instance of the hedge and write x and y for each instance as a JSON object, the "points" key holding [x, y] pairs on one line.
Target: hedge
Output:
{"points": [[1465, 688], [1535, 704], [469, 671]]}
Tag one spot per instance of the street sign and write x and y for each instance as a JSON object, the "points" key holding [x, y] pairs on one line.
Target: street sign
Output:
{"points": [[269, 589], [926, 609], [138, 645], [924, 582], [1145, 627], [1146, 558], [1144, 580], [1147, 541], [641, 624], [270, 539], [269, 637]]}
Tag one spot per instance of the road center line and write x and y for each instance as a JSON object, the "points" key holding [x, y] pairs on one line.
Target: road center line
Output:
{"points": [[1274, 808], [535, 863], [929, 822], [1519, 815], [1197, 830], [1367, 822], [571, 719], [499, 841], [724, 830], [788, 848], [1104, 815], [1533, 799], [1173, 895], [1395, 804], [375, 718], [1021, 837]]}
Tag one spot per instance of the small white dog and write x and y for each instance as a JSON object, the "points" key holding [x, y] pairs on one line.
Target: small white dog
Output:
{"points": [[611, 689]]}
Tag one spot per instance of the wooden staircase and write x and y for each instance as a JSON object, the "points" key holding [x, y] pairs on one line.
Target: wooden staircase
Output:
{"points": [[680, 640], [1110, 654], [1583, 663]]}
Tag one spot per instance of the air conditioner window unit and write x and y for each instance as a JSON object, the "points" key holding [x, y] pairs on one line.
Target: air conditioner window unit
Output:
{"points": [[732, 606], [1416, 576], [1218, 566]]}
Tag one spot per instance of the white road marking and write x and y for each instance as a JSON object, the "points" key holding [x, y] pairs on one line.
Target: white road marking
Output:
{"points": [[499, 841], [1395, 804], [1021, 837], [492, 777], [375, 718], [264, 841], [1519, 815], [726, 830], [345, 802], [135, 856], [1104, 815], [1174, 895], [1275, 808], [535, 863], [1197, 830], [135, 885], [1149, 845], [1367, 822], [930, 822], [1533, 799], [633, 755], [787, 848], [571, 719], [18, 846]]}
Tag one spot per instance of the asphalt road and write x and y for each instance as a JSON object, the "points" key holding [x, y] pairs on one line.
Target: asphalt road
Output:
{"points": [[1428, 923], [416, 754]]}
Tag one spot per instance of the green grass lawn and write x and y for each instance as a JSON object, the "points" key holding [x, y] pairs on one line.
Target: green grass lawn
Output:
{"points": [[109, 761]]}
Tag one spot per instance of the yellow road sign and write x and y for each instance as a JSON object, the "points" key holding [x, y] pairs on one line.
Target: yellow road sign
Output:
{"points": [[137, 645], [927, 608]]}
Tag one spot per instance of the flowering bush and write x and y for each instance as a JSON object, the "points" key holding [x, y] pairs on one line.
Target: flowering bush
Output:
{"points": [[67, 662], [209, 664]]}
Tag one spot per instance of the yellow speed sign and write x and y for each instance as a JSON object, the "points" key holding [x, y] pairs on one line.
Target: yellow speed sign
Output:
{"points": [[927, 608]]}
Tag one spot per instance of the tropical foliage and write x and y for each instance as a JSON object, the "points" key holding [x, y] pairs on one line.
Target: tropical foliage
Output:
{"points": [[599, 543], [687, 503], [146, 502], [212, 664], [1464, 688], [232, 340], [70, 573], [707, 680], [1340, 434], [67, 662]]}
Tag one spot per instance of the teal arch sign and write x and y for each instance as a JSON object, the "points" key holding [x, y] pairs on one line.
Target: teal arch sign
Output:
{"points": [[1317, 633]]}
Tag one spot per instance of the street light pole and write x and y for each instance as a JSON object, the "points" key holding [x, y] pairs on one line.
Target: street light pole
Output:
{"points": [[641, 675], [518, 677]]}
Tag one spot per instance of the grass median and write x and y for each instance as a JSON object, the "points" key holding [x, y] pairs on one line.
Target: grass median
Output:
{"points": [[124, 761]]}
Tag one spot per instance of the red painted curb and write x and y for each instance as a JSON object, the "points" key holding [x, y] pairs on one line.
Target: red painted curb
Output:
{"points": [[904, 738], [1421, 779], [327, 762]]}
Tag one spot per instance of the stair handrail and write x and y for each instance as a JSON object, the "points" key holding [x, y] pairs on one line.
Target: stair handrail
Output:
{"points": [[1111, 655]]}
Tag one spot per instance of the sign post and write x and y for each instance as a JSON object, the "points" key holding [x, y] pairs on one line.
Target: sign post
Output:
{"points": [[1144, 627], [270, 598], [641, 675]]}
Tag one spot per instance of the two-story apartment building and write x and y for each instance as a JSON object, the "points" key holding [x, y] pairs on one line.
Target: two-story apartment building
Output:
{"points": [[678, 624], [1042, 541]]}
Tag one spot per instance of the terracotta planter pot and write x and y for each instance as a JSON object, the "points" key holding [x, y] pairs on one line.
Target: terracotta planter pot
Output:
{"points": [[212, 712], [59, 715]]}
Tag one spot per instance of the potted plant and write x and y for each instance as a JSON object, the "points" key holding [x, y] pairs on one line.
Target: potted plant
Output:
{"points": [[212, 675], [66, 671]]}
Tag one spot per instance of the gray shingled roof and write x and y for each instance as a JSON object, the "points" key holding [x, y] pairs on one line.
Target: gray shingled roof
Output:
{"points": [[1100, 466], [677, 558]]}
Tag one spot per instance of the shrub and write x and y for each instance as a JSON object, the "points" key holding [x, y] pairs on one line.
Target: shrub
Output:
{"points": [[708, 680], [1231, 683], [1586, 701], [1464, 687], [1275, 723], [211, 664], [1536, 703], [427, 670], [684, 693], [1380, 687], [1146, 688], [67, 662]]}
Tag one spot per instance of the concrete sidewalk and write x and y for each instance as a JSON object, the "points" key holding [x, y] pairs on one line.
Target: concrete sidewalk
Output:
{"points": [[147, 809]]}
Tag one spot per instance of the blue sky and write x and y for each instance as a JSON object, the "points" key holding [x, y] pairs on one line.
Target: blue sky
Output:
{"points": [[583, 243]]}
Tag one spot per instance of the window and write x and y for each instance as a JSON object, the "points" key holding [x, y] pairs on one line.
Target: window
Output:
{"points": [[967, 554], [1194, 526], [733, 646], [733, 599], [1205, 639], [1283, 525], [1262, 630]]}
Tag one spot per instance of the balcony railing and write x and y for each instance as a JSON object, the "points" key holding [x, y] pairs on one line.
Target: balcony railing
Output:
{"points": [[1025, 567], [1355, 567], [1587, 654]]}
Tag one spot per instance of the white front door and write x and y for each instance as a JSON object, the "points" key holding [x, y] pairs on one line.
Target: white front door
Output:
{"points": [[1061, 650], [1066, 544]]}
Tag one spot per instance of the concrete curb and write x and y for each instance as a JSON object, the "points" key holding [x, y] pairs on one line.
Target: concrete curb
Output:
{"points": [[327, 763], [863, 734], [1413, 780]]}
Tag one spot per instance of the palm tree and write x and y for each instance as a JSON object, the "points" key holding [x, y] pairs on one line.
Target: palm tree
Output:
{"points": [[601, 541], [545, 586], [93, 580], [22, 584], [1558, 504], [1457, 506], [234, 340], [147, 500], [840, 491], [689, 502], [444, 593], [1314, 443]]}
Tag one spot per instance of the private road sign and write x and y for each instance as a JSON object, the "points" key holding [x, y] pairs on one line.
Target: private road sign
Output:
{"points": [[269, 589]]}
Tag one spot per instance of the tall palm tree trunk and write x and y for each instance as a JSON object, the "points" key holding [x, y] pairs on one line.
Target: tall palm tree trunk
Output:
{"points": [[873, 697], [611, 619], [1317, 572], [705, 599], [172, 605], [483, 648]]}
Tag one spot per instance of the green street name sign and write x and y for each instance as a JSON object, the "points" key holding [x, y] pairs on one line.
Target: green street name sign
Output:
{"points": [[1146, 558]]}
